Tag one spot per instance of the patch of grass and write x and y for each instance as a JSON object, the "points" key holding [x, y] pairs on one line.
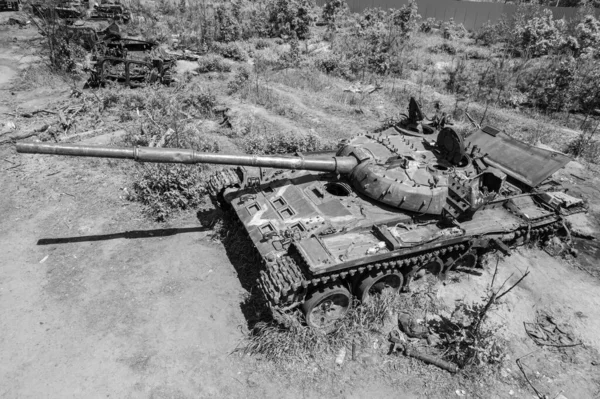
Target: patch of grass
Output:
{"points": [[37, 76], [300, 343]]}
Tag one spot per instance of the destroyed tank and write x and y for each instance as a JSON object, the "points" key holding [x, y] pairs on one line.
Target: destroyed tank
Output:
{"points": [[383, 209]]}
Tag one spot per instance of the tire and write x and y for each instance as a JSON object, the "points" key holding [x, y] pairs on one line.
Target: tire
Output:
{"points": [[324, 307], [377, 282]]}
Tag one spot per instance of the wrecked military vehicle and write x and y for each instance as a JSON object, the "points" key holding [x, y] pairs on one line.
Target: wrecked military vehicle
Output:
{"points": [[382, 209]]}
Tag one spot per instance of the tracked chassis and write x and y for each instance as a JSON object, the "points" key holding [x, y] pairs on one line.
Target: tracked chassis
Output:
{"points": [[316, 233], [382, 209]]}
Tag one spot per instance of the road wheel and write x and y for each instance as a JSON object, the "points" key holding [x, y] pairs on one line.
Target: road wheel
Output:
{"points": [[374, 284], [325, 306], [468, 261]]}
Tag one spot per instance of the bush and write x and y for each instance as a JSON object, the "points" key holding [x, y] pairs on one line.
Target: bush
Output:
{"points": [[406, 18], [240, 80], [283, 143], [443, 48], [228, 21], [429, 25], [375, 45], [230, 50], [587, 33], [333, 64], [212, 64], [332, 10], [286, 16], [459, 78], [261, 44], [164, 189], [292, 57], [541, 34]]}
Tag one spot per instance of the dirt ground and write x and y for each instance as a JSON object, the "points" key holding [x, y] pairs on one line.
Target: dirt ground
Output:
{"points": [[98, 301]]}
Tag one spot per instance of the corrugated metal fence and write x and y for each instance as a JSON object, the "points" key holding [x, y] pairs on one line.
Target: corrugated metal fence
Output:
{"points": [[471, 14]]}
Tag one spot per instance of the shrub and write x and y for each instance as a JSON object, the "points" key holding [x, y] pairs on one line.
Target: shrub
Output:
{"points": [[429, 24], [406, 18], [443, 48], [261, 44], [541, 34], [450, 30], [239, 81], [459, 78], [228, 21], [587, 33], [375, 45], [212, 64], [292, 57], [333, 9], [229, 50], [283, 143], [333, 64], [163, 189], [286, 16]]}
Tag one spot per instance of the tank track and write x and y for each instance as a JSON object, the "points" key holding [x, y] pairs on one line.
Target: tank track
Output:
{"points": [[287, 277], [221, 180]]}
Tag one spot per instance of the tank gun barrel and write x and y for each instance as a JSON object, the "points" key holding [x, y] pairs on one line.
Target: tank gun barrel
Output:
{"points": [[342, 165]]}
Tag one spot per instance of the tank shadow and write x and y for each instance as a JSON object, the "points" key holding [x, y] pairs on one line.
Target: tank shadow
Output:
{"points": [[247, 263], [132, 234]]}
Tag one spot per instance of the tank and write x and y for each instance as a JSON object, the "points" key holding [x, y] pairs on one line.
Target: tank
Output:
{"points": [[381, 210]]}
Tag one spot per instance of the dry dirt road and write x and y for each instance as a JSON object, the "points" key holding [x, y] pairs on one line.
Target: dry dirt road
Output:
{"points": [[97, 302]]}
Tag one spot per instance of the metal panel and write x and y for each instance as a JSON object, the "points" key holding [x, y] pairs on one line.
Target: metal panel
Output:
{"points": [[526, 163]]}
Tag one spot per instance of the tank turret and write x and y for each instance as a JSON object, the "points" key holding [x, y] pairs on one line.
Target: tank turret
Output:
{"points": [[381, 210]]}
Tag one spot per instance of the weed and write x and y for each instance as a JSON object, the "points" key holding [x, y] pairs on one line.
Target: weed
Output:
{"points": [[467, 339]]}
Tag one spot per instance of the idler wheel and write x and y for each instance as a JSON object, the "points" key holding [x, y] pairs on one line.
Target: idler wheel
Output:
{"points": [[375, 284], [324, 307]]}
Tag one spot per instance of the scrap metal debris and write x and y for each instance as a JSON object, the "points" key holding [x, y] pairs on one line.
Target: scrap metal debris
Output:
{"points": [[113, 56], [546, 331], [399, 343]]}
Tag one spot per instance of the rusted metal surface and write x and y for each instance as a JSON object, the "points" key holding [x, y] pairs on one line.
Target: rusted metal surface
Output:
{"points": [[172, 155], [528, 164], [129, 72]]}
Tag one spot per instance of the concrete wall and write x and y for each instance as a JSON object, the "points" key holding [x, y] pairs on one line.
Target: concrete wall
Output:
{"points": [[471, 14]]}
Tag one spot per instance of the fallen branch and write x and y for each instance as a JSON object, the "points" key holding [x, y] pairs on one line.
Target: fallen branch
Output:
{"points": [[513, 286], [37, 111], [518, 361], [477, 125], [20, 136]]}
